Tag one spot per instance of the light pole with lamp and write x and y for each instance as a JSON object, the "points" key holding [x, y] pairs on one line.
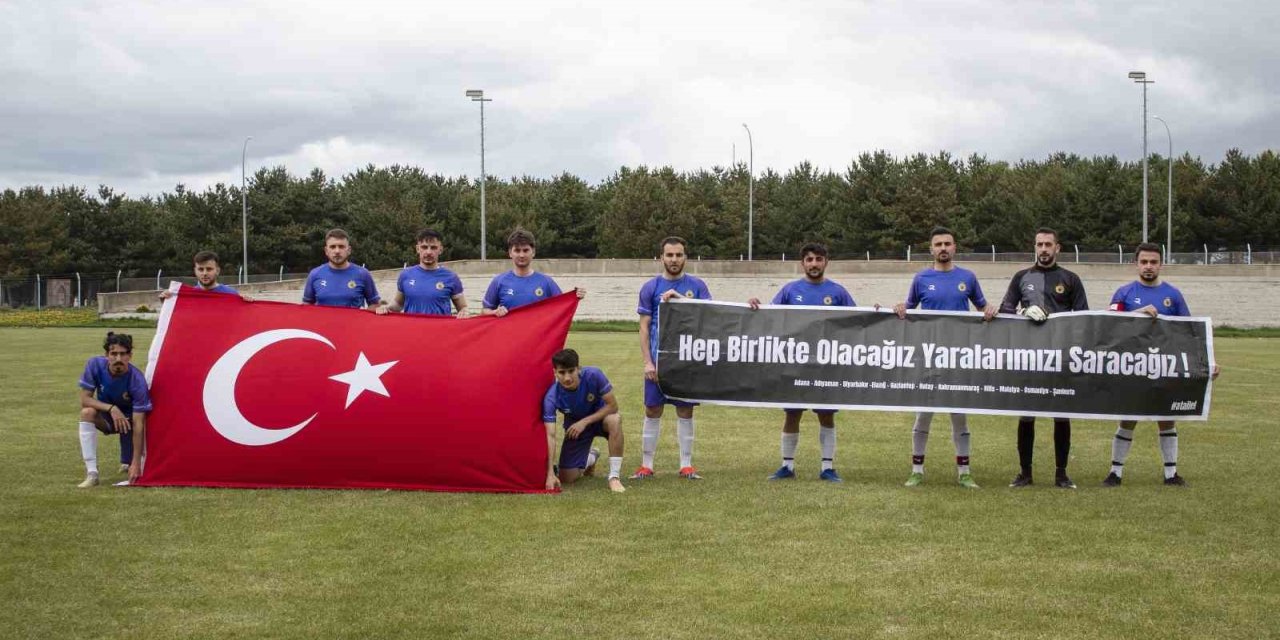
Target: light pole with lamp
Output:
{"points": [[751, 191], [1168, 238], [1140, 77], [244, 215], [477, 95]]}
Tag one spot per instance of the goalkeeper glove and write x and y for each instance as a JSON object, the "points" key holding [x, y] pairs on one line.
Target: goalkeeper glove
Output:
{"points": [[1035, 314]]}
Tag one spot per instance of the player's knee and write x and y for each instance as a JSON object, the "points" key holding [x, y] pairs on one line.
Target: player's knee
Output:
{"points": [[684, 412], [570, 476], [653, 412]]}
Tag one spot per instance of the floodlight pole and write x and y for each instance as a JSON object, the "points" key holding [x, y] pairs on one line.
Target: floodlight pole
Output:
{"points": [[1140, 77], [244, 214], [751, 192], [477, 95], [1168, 238]]}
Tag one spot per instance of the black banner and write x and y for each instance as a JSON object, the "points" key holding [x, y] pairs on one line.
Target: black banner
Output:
{"points": [[1091, 364]]}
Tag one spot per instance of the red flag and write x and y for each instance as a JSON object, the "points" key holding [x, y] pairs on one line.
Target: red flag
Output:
{"points": [[269, 394]]}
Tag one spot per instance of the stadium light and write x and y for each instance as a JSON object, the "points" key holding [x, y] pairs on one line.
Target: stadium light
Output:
{"points": [[1140, 77], [1168, 238], [244, 215], [477, 95], [751, 192]]}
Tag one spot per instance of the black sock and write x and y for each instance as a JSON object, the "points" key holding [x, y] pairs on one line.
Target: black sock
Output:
{"points": [[1026, 442], [1061, 443]]}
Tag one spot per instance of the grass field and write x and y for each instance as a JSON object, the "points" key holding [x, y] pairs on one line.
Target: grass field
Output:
{"points": [[731, 556]]}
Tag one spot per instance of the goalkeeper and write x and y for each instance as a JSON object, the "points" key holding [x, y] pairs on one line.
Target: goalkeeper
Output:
{"points": [[1036, 292]]}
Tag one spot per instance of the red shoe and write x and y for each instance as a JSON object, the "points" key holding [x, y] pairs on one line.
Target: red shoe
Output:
{"points": [[689, 473], [642, 473]]}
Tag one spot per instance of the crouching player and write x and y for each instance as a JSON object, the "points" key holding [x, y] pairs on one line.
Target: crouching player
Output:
{"points": [[114, 400], [585, 397]]}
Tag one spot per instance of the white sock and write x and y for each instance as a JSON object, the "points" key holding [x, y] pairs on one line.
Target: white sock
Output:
{"points": [[684, 433], [1169, 452], [789, 443], [960, 437], [1120, 449], [649, 441], [592, 456], [89, 447], [827, 439], [615, 467], [919, 440]]}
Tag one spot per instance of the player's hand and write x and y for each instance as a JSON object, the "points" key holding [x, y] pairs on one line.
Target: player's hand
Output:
{"points": [[118, 420], [1035, 314], [669, 294], [1149, 310], [990, 312], [650, 371], [553, 482], [246, 298], [382, 309], [900, 309], [582, 293], [754, 303], [135, 471], [165, 295], [575, 430], [462, 314], [500, 311], [1213, 375]]}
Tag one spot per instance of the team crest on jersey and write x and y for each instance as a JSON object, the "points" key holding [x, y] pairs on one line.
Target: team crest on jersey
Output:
{"points": [[688, 293], [126, 397], [1168, 302], [351, 284], [826, 300], [440, 286], [1060, 289], [536, 292], [961, 287], [591, 397]]}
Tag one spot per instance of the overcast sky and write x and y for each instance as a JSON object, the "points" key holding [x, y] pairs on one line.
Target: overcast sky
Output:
{"points": [[143, 96]]}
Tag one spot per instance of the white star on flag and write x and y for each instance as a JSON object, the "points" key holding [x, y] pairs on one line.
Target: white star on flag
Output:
{"points": [[365, 377]]}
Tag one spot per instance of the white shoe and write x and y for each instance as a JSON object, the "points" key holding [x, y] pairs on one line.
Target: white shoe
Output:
{"points": [[124, 468], [90, 480]]}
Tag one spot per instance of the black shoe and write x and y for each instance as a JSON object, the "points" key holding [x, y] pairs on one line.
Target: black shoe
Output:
{"points": [[1175, 481], [1021, 480], [1063, 482], [1112, 480]]}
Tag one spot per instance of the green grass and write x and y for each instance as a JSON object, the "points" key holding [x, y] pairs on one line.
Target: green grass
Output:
{"points": [[731, 556]]}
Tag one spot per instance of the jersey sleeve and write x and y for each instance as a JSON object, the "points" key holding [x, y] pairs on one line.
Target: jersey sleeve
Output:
{"points": [[603, 385], [1180, 307], [976, 296], [309, 289], [847, 300], [88, 381], [549, 404], [646, 299], [490, 300], [781, 296], [138, 389], [1079, 301], [913, 299], [1013, 295], [1117, 299], [455, 284], [553, 289], [400, 281], [703, 293], [371, 290]]}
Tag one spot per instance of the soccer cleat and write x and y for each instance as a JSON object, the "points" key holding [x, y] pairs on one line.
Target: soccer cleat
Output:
{"points": [[783, 473], [1021, 480], [689, 473], [591, 468], [830, 475], [1175, 481], [966, 481], [615, 485], [914, 480], [90, 480], [1063, 482], [642, 473], [1112, 480]]}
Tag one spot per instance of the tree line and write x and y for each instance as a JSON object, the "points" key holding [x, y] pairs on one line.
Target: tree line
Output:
{"points": [[879, 204]]}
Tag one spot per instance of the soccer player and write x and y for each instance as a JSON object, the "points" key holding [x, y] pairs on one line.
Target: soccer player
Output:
{"points": [[943, 287], [207, 269], [339, 282], [672, 283], [585, 397], [428, 288], [814, 289], [1148, 295], [522, 284], [114, 400], [1036, 292]]}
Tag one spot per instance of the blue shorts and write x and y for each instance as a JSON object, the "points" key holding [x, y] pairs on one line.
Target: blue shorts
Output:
{"points": [[573, 452], [126, 439], [653, 396]]}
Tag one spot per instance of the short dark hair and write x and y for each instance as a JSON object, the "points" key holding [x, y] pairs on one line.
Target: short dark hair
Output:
{"points": [[428, 234], [816, 248], [565, 359], [1049, 231], [1150, 247], [940, 231], [336, 233], [520, 236], [122, 339], [673, 240], [205, 256]]}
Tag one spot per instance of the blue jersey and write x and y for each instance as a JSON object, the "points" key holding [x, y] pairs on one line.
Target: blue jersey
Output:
{"points": [[825, 293], [350, 287], [651, 296], [945, 290], [587, 399], [512, 291], [221, 288], [429, 291], [1166, 298], [127, 391]]}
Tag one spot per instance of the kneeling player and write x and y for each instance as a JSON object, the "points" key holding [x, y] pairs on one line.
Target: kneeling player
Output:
{"points": [[114, 400], [585, 397]]}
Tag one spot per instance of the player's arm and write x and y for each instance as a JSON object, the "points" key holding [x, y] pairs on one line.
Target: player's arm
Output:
{"points": [[395, 307], [490, 304], [1079, 301], [609, 408], [118, 420], [552, 481], [980, 302], [1012, 296], [139, 445], [459, 305], [371, 297], [309, 290], [650, 369]]}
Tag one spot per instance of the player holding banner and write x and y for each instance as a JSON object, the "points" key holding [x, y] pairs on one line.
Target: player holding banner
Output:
{"points": [[814, 289], [943, 287], [1148, 295]]}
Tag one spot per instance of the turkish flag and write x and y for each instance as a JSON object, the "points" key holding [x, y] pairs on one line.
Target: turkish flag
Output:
{"points": [[271, 394]]}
